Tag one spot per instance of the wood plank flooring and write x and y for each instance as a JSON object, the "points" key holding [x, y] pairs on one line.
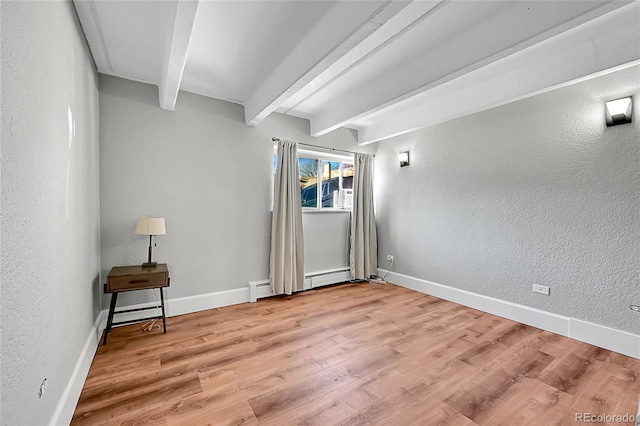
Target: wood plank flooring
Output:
{"points": [[352, 354]]}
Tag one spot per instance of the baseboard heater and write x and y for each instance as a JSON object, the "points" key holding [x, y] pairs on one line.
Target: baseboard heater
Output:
{"points": [[261, 289]]}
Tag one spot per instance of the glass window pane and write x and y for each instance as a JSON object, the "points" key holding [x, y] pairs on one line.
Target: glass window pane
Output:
{"points": [[308, 181], [347, 176], [309, 196], [330, 183], [334, 176]]}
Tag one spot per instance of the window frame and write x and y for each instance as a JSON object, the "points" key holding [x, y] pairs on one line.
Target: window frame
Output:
{"points": [[321, 157], [331, 158]]}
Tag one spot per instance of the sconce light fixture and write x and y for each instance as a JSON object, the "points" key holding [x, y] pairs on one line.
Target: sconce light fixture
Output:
{"points": [[619, 111], [150, 226], [403, 157]]}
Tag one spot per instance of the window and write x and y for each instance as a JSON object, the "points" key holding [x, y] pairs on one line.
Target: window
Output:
{"points": [[332, 173]]}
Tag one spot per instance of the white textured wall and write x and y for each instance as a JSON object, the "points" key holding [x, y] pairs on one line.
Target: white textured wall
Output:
{"points": [[534, 192], [201, 168], [326, 240], [50, 205]]}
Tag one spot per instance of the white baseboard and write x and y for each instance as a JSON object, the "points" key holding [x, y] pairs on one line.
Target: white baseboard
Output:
{"points": [[202, 302], [321, 280], [262, 288], [71, 394], [594, 334], [259, 290], [605, 337], [184, 305]]}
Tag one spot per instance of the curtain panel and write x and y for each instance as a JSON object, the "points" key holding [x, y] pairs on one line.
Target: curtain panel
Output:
{"points": [[364, 239], [286, 263]]}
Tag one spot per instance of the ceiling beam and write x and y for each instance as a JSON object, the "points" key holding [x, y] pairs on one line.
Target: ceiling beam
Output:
{"points": [[603, 45], [303, 73], [401, 22], [353, 107], [176, 54]]}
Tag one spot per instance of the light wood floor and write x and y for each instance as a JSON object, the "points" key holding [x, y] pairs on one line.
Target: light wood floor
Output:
{"points": [[352, 354]]}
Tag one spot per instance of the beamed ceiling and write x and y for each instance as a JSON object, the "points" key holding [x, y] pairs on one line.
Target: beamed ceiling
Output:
{"points": [[381, 67]]}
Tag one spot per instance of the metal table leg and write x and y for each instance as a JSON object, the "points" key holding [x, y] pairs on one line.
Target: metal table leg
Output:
{"points": [[164, 317], [112, 309]]}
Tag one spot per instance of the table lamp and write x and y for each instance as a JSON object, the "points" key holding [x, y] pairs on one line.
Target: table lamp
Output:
{"points": [[150, 226]]}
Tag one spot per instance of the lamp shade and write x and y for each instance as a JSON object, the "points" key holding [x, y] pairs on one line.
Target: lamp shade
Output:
{"points": [[150, 226]]}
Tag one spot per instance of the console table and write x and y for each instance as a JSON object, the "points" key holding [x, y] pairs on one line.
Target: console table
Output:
{"points": [[131, 278]]}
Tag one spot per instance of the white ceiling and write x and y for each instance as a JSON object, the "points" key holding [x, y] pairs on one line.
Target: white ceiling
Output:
{"points": [[381, 67]]}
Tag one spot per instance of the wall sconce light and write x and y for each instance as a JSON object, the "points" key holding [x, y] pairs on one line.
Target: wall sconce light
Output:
{"points": [[619, 111], [403, 157], [150, 226]]}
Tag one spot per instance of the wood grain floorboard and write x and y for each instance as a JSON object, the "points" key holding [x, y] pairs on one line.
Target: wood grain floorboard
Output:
{"points": [[352, 354]]}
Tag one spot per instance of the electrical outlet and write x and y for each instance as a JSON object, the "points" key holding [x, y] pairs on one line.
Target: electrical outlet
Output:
{"points": [[43, 387], [390, 257], [635, 308], [542, 289]]}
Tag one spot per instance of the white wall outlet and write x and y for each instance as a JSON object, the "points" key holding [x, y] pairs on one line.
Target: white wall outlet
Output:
{"points": [[43, 387], [390, 257], [542, 289]]}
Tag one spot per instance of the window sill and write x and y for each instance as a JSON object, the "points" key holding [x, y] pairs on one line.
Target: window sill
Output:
{"points": [[324, 210]]}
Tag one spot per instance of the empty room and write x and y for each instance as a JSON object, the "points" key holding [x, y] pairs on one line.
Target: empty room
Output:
{"points": [[320, 212]]}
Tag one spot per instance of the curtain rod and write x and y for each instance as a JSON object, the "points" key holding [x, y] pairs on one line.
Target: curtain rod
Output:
{"points": [[274, 139]]}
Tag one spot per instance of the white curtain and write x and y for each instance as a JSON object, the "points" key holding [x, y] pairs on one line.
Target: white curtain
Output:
{"points": [[287, 245], [364, 240]]}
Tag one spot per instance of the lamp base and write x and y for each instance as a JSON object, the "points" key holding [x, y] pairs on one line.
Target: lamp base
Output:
{"points": [[150, 264]]}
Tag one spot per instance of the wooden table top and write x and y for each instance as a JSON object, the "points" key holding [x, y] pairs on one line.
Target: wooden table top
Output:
{"points": [[119, 271]]}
